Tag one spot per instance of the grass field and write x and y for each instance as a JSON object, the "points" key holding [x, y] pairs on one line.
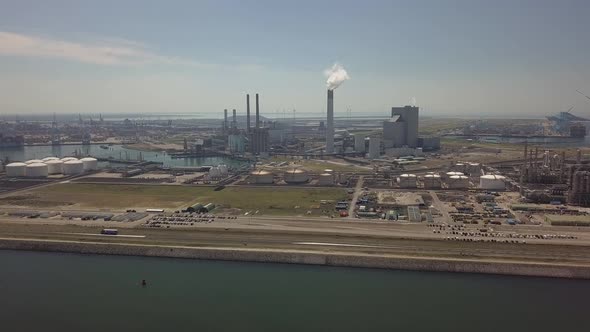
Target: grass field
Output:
{"points": [[270, 201]]}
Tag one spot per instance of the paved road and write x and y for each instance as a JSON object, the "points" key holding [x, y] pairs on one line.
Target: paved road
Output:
{"points": [[357, 191], [307, 240]]}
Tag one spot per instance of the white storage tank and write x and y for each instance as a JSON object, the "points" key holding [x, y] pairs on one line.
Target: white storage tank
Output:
{"points": [[46, 159], [295, 176], [73, 167], [54, 166], [261, 177], [214, 172], [16, 169], [89, 163], [36, 170], [407, 180], [326, 179], [449, 174], [432, 181], [66, 159], [223, 170], [492, 182], [33, 161], [458, 182]]}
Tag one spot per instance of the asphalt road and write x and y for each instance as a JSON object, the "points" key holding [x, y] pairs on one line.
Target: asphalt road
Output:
{"points": [[351, 239]]}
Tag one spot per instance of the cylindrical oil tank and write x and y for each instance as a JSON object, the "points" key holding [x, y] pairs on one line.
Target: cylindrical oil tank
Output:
{"points": [[326, 179], [432, 181], [89, 163], [68, 159], [296, 176], [46, 159], [261, 177], [407, 181], [33, 161], [73, 167], [449, 174], [492, 182], [16, 169], [54, 166], [214, 172], [37, 170], [458, 182]]}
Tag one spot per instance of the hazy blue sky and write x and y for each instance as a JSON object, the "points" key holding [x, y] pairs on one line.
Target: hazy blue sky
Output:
{"points": [[454, 57]]}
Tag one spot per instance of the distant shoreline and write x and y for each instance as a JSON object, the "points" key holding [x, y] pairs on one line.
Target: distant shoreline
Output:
{"points": [[304, 257]]}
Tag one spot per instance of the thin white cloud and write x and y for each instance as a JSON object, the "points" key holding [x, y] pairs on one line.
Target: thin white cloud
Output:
{"points": [[109, 52]]}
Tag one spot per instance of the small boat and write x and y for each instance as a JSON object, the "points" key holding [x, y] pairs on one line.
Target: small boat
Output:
{"points": [[104, 147]]}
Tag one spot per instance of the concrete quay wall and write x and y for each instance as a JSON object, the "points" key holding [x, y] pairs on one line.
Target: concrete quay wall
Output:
{"points": [[304, 257]]}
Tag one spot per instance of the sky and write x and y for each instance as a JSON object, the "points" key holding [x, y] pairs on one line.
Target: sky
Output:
{"points": [[471, 58]]}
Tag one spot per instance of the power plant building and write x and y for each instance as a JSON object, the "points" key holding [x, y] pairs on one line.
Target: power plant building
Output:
{"points": [[359, 143], [402, 129], [374, 147]]}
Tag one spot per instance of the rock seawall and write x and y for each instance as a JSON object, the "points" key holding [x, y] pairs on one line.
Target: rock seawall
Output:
{"points": [[304, 257]]}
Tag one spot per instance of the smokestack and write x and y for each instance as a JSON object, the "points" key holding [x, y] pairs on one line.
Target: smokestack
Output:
{"points": [[257, 113], [235, 120], [330, 123], [248, 113], [224, 119]]}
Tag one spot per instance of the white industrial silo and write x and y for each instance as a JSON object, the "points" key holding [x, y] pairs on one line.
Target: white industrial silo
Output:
{"points": [[54, 166], [16, 169], [46, 159], [407, 180], [33, 161], [492, 182], [326, 179], [261, 177], [458, 182], [432, 181], [89, 163], [68, 159], [36, 170], [73, 167], [296, 176]]}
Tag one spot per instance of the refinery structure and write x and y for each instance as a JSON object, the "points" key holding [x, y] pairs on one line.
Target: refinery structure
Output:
{"points": [[249, 167]]}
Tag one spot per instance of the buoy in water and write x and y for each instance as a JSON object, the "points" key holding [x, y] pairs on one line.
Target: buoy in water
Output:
{"points": [[143, 283]]}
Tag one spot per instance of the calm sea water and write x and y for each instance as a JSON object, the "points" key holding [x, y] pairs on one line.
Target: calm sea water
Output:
{"points": [[115, 151], [68, 292]]}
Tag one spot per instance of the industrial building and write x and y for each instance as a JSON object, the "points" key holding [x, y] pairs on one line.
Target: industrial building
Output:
{"points": [[402, 129]]}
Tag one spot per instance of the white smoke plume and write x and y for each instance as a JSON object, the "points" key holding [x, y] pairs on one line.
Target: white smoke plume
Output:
{"points": [[336, 75]]}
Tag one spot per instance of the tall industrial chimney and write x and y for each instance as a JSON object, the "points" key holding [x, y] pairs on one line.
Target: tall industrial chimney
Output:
{"points": [[234, 120], [257, 113], [330, 123], [248, 113], [225, 119]]}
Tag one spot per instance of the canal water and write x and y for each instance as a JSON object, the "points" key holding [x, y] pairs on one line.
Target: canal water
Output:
{"points": [[69, 292], [115, 151]]}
